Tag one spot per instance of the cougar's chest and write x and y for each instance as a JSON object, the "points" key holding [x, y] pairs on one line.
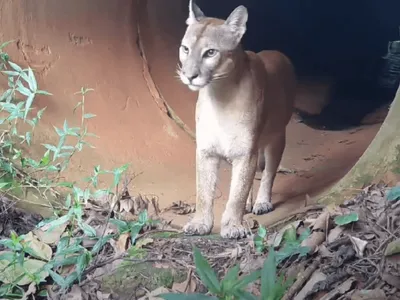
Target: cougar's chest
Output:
{"points": [[221, 131]]}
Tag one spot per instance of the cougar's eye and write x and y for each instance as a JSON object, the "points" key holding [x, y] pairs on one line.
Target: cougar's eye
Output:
{"points": [[210, 53], [185, 49]]}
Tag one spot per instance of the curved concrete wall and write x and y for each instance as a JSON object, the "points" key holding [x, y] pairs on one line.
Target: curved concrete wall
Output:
{"points": [[93, 43]]}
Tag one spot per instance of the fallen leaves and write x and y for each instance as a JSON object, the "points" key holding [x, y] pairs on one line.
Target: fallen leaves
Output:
{"points": [[318, 232], [182, 208], [393, 248], [11, 272]]}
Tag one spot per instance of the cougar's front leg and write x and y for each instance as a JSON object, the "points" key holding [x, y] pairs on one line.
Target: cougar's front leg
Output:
{"points": [[243, 171], [206, 182]]}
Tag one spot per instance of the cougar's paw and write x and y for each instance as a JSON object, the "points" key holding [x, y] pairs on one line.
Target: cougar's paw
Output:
{"points": [[249, 208], [262, 208], [197, 227], [234, 231]]}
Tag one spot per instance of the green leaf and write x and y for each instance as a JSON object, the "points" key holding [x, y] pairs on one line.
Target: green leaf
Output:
{"points": [[72, 250], [290, 234], [50, 147], [58, 279], [5, 44], [246, 280], [23, 90], [32, 80], [15, 66], [346, 219], [143, 217], [5, 185], [206, 273], [268, 275], [88, 116], [87, 229], [230, 279], [101, 242], [83, 262], [40, 92], [45, 159], [291, 249], [58, 222], [8, 256], [121, 225], [135, 232], [262, 231], [172, 296], [28, 104], [393, 194], [28, 138], [244, 295], [11, 73]]}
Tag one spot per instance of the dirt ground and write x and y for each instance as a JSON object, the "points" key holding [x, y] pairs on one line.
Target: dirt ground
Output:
{"points": [[347, 259]]}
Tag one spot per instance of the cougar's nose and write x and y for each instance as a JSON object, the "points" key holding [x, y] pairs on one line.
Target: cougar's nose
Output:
{"points": [[191, 76]]}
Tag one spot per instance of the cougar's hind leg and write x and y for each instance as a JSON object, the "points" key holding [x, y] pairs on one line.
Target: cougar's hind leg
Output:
{"points": [[272, 155], [260, 168]]}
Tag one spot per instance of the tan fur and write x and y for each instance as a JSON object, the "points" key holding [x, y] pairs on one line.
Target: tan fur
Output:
{"points": [[242, 118]]}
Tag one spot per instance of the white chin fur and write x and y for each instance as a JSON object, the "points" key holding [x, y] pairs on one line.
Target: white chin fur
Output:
{"points": [[194, 88]]}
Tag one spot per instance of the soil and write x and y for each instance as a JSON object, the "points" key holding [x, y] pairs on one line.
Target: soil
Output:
{"points": [[345, 260]]}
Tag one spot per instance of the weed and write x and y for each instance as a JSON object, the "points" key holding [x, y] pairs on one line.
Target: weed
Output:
{"points": [[233, 287], [27, 259]]}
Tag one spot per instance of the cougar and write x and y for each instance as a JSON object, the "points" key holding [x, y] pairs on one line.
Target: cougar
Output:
{"points": [[245, 101]]}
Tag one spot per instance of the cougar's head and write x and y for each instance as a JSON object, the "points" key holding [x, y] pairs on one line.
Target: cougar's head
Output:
{"points": [[206, 50]]}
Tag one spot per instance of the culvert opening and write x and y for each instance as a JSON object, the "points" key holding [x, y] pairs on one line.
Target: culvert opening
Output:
{"points": [[339, 45]]}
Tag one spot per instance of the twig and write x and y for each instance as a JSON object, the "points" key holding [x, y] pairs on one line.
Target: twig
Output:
{"points": [[301, 280]]}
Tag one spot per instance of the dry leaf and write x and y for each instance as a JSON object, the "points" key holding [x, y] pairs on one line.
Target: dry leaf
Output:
{"points": [[341, 290], [31, 291], [126, 205], [237, 252], [182, 208], [77, 293], [122, 243], [318, 234], [358, 245], [154, 294], [143, 242], [376, 294], [315, 277], [393, 248], [391, 279], [51, 237], [188, 286], [40, 249], [324, 252], [335, 233], [11, 273]]}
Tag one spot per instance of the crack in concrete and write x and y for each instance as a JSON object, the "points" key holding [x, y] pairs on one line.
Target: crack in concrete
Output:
{"points": [[154, 91]]}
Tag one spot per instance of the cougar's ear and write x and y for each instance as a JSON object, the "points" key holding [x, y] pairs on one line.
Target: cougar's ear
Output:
{"points": [[195, 13], [236, 22]]}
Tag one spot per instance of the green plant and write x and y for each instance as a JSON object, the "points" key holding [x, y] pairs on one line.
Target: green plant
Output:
{"points": [[28, 259], [346, 219], [233, 287], [259, 239], [292, 245]]}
